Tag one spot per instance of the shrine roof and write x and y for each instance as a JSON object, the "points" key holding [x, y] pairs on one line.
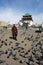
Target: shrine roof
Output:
{"points": [[27, 14]]}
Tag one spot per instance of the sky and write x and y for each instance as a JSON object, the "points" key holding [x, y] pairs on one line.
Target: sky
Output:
{"points": [[12, 10]]}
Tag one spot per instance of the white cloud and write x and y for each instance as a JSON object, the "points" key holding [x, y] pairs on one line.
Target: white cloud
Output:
{"points": [[38, 18], [10, 15], [13, 16]]}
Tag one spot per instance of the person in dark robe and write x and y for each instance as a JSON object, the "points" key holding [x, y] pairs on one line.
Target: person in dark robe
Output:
{"points": [[14, 32], [26, 25]]}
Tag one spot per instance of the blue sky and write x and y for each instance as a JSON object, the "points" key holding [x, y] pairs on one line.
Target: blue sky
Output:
{"points": [[12, 10]]}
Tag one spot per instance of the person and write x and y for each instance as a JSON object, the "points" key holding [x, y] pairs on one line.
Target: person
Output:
{"points": [[26, 25], [14, 32]]}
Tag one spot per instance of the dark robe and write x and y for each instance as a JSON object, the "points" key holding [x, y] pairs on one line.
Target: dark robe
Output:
{"points": [[14, 31]]}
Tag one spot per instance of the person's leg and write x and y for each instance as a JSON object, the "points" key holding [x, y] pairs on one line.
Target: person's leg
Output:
{"points": [[13, 36]]}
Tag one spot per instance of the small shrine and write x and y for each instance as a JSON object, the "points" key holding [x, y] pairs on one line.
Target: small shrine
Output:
{"points": [[26, 20]]}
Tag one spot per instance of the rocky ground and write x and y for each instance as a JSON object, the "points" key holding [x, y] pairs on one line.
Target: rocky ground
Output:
{"points": [[27, 50]]}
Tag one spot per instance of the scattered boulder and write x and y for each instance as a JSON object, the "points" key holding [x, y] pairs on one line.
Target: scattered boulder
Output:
{"points": [[1, 52], [1, 61], [21, 61]]}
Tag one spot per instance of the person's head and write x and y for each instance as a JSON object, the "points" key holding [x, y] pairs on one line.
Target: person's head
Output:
{"points": [[13, 24]]}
